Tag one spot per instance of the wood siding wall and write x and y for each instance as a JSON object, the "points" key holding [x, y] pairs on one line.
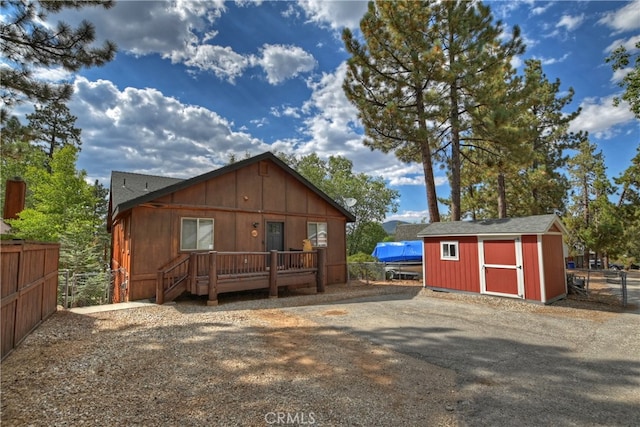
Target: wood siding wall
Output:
{"points": [[29, 286], [530, 267], [260, 193], [554, 271], [462, 275]]}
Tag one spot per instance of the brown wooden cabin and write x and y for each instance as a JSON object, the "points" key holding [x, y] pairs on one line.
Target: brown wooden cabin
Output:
{"points": [[223, 231]]}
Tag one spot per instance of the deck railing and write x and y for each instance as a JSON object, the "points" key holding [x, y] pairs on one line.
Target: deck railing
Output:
{"points": [[210, 273], [172, 279]]}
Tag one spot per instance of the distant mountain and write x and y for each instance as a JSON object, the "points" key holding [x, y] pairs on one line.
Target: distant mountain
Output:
{"points": [[390, 226]]}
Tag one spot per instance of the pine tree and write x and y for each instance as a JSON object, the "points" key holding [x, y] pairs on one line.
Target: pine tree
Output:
{"points": [[53, 126], [58, 198], [592, 222], [620, 59], [413, 78], [541, 180], [391, 80], [518, 144], [628, 210], [475, 59], [29, 43]]}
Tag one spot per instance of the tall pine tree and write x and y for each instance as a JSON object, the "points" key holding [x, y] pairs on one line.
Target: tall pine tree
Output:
{"points": [[413, 78], [28, 42], [592, 221], [52, 126]]}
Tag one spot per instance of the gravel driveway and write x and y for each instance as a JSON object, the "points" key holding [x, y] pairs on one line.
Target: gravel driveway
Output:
{"points": [[516, 363], [356, 355]]}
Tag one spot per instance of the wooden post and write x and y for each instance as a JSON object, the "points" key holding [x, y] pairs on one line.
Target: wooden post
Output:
{"points": [[321, 277], [159, 288], [193, 272], [213, 279], [273, 275]]}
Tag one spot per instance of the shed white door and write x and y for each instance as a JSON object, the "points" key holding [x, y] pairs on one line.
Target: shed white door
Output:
{"points": [[501, 267]]}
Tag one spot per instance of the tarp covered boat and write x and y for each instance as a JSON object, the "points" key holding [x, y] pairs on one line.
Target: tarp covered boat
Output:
{"points": [[405, 251]]}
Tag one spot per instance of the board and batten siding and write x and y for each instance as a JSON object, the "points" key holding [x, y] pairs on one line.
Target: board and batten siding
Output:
{"points": [[462, 274], [255, 194], [554, 269], [530, 267]]}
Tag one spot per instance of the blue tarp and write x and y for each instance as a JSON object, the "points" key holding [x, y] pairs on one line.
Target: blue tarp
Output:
{"points": [[405, 251]]}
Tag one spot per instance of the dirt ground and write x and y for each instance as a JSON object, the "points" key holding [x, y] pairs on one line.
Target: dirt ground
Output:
{"points": [[250, 361]]}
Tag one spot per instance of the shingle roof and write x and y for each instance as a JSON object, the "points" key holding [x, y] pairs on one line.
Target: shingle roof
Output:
{"points": [[129, 190], [406, 232], [127, 186], [537, 224]]}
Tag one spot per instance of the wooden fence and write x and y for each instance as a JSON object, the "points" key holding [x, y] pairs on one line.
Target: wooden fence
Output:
{"points": [[28, 283]]}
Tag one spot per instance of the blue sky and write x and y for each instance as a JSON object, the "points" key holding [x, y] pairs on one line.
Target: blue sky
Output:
{"points": [[194, 82]]}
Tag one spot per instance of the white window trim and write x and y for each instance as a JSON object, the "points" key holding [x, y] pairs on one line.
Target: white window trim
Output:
{"points": [[326, 226], [448, 257], [213, 226]]}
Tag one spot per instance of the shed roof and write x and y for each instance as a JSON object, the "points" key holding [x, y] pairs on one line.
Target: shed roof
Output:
{"points": [[537, 224], [131, 189]]}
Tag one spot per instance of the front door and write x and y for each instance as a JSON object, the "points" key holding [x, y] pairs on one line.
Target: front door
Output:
{"points": [[275, 236], [501, 264]]}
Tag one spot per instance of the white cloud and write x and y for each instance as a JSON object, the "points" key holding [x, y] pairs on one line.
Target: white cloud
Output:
{"points": [[550, 61], [627, 18], [569, 22], [176, 30], [124, 129], [629, 44], [409, 216], [286, 111], [333, 128], [334, 14], [222, 61], [620, 74], [56, 75], [146, 27], [282, 62], [539, 10], [599, 117]]}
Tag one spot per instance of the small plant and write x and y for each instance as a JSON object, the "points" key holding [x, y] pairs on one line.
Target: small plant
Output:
{"points": [[364, 267]]}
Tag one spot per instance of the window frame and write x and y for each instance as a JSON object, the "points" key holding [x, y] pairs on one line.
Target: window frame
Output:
{"points": [[449, 244], [315, 242], [197, 219]]}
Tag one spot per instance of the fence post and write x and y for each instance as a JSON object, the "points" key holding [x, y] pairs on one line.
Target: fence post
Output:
{"points": [[213, 279], [273, 275], [321, 278], [623, 284], [66, 289]]}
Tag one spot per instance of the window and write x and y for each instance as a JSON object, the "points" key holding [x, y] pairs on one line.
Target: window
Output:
{"points": [[449, 250], [317, 233], [196, 234]]}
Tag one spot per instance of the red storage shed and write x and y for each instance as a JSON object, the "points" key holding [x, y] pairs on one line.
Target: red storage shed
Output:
{"points": [[510, 257]]}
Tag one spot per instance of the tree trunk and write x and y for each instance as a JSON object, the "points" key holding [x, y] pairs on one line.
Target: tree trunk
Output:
{"points": [[502, 197], [432, 198], [585, 217], [455, 155], [427, 162]]}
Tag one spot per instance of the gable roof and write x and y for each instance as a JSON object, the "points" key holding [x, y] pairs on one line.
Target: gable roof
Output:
{"points": [[537, 224], [129, 189]]}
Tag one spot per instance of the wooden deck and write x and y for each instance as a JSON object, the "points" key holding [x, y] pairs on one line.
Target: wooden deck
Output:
{"points": [[213, 273]]}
